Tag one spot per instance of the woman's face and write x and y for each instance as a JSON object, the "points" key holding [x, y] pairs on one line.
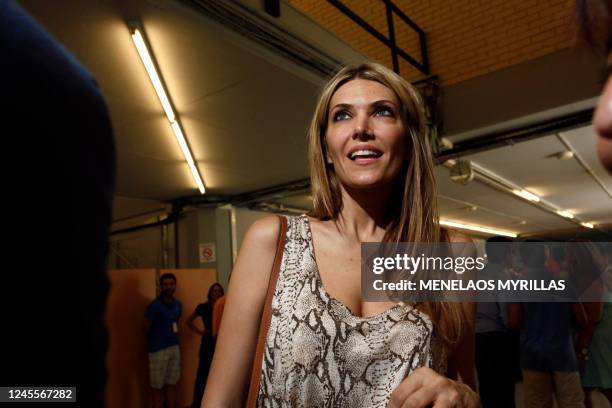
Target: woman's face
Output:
{"points": [[366, 137], [216, 292], [603, 123]]}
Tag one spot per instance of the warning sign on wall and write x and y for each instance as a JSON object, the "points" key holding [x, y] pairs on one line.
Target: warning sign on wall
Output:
{"points": [[208, 252]]}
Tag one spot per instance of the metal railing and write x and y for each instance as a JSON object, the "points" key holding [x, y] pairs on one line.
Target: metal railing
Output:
{"points": [[390, 41]]}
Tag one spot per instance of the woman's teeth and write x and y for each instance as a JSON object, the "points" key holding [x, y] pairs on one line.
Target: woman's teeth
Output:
{"points": [[363, 154]]}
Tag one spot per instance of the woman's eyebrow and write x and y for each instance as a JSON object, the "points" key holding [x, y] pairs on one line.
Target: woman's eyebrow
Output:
{"points": [[382, 102], [342, 105], [375, 103]]}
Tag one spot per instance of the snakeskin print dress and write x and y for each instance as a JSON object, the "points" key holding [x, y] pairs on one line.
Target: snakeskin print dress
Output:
{"points": [[319, 354]]}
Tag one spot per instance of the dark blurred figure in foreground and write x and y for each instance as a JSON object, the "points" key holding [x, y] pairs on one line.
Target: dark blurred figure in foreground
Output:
{"points": [[207, 345], [496, 345], [56, 126], [595, 23], [548, 360]]}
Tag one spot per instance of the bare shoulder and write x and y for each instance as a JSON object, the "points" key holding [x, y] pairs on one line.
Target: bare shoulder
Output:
{"points": [[257, 250], [264, 231]]}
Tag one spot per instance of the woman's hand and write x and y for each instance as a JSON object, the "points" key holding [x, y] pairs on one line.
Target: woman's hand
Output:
{"points": [[426, 388]]}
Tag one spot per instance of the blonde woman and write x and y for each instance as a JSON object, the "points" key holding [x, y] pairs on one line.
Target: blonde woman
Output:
{"points": [[372, 181]]}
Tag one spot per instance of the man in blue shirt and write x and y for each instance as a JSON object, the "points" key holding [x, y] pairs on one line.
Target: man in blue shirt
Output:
{"points": [[162, 316]]}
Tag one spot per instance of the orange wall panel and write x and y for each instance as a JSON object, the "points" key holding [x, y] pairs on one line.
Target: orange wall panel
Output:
{"points": [[127, 359]]}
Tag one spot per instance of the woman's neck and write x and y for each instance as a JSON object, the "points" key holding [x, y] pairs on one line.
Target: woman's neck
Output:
{"points": [[365, 214]]}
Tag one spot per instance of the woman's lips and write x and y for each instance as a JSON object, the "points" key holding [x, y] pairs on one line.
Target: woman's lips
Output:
{"points": [[362, 161], [364, 154]]}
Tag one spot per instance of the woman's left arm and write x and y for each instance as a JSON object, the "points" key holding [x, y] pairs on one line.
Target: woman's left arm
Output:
{"points": [[191, 324]]}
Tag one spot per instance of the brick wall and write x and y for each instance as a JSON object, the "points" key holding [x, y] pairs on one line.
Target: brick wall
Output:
{"points": [[465, 38]]}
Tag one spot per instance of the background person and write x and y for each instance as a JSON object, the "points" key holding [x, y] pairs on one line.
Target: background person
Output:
{"points": [[548, 361], [161, 323], [598, 369], [594, 339], [207, 344], [496, 345]]}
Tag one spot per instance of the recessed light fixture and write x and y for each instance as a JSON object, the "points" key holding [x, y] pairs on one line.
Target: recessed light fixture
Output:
{"points": [[469, 227], [527, 195], [564, 155], [145, 54], [587, 225]]}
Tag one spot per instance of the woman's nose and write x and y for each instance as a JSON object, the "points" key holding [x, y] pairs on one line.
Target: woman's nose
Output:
{"points": [[362, 129]]}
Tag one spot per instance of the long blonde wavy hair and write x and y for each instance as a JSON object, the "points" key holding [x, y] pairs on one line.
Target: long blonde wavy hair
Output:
{"points": [[413, 206]]}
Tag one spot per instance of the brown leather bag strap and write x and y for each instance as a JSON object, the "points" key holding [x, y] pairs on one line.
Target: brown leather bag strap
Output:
{"points": [[266, 317]]}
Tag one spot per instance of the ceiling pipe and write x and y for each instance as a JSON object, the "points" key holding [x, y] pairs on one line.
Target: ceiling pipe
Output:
{"points": [[509, 137]]}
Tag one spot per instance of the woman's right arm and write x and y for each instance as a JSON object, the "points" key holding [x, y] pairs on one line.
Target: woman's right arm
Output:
{"points": [[228, 380], [191, 323]]}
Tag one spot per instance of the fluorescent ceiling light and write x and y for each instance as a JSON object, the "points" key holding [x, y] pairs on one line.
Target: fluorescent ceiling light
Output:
{"points": [[143, 51], [180, 138], [147, 60], [494, 180], [565, 214], [197, 178], [469, 227], [527, 195]]}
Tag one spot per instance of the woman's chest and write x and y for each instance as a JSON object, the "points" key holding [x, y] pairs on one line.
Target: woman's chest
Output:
{"points": [[339, 269]]}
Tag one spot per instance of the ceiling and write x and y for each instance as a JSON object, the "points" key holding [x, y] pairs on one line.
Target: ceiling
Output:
{"points": [[245, 112], [244, 115], [532, 165]]}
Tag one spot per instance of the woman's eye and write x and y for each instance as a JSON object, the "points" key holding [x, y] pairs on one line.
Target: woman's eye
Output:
{"points": [[384, 111], [341, 115]]}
